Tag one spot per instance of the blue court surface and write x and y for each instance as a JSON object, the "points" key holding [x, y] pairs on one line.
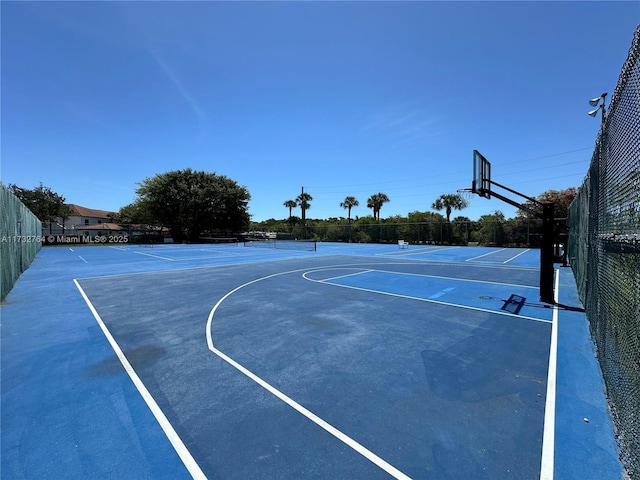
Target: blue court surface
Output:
{"points": [[351, 362]]}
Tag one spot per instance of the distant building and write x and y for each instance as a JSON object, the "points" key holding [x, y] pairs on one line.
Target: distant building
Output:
{"points": [[88, 225], [82, 221]]}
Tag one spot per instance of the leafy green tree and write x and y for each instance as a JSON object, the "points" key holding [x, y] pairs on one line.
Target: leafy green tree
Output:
{"points": [[136, 212], [192, 202], [43, 202], [375, 203], [415, 217], [348, 204], [449, 202], [491, 230], [461, 230]]}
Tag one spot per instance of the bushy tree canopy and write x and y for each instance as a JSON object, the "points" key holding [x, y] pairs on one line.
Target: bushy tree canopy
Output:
{"points": [[43, 202], [192, 202], [561, 200]]}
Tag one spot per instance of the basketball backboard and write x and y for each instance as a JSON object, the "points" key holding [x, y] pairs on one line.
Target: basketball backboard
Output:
{"points": [[481, 183]]}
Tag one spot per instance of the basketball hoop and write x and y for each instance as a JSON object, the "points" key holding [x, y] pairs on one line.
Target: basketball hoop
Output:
{"points": [[467, 194]]}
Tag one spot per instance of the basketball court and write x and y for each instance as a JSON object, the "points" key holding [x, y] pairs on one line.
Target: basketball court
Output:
{"points": [[352, 361]]}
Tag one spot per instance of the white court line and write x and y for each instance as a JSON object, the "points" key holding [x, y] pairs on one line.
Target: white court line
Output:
{"points": [[368, 454], [484, 255], [513, 258], [156, 256], [414, 252], [171, 434], [428, 300], [79, 256], [451, 278], [347, 275], [548, 436], [292, 403]]}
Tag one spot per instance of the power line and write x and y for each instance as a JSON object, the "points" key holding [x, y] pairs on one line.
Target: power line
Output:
{"points": [[321, 189]]}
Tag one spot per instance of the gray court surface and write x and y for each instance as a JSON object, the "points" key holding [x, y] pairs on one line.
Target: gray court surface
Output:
{"points": [[354, 361]]}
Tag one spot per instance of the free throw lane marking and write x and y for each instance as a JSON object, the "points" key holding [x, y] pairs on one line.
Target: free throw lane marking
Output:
{"points": [[171, 434], [422, 299]]}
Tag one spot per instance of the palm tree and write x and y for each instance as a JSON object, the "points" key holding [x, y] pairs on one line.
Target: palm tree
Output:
{"points": [[303, 202], [348, 203], [450, 202], [290, 204], [375, 202]]}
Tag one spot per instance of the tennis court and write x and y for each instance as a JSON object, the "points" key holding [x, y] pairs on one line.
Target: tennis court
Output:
{"points": [[352, 361]]}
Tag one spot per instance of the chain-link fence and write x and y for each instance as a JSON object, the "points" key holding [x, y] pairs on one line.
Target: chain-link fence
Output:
{"points": [[604, 249], [520, 232], [20, 239]]}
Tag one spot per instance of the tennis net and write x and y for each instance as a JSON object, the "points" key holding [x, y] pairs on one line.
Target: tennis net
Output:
{"points": [[304, 245]]}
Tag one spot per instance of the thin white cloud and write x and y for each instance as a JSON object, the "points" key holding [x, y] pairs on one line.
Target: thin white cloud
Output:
{"points": [[404, 123], [168, 71]]}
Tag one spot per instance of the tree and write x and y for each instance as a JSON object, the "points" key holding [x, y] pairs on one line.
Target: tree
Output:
{"points": [[290, 204], [491, 230], [561, 200], [303, 202], [449, 202], [375, 203], [43, 202], [192, 202], [349, 203], [136, 212]]}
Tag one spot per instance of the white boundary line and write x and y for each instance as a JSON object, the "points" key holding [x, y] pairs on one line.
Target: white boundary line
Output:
{"points": [[422, 250], [548, 437], [441, 277], [428, 300], [171, 434], [368, 454], [348, 275], [155, 256], [516, 256], [485, 254], [390, 469]]}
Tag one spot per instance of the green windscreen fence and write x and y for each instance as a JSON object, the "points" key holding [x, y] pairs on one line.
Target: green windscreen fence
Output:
{"points": [[604, 250], [20, 239]]}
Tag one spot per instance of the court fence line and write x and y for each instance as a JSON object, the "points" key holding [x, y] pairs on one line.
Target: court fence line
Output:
{"points": [[521, 232], [20, 239], [604, 251]]}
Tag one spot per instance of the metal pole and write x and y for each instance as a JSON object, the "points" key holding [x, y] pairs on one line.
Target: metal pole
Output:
{"points": [[546, 254], [304, 225]]}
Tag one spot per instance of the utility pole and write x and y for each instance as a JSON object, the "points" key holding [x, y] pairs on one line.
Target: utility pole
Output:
{"points": [[304, 225]]}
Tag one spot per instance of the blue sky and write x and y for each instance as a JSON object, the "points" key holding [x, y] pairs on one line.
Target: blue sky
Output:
{"points": [[341, 98]]}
